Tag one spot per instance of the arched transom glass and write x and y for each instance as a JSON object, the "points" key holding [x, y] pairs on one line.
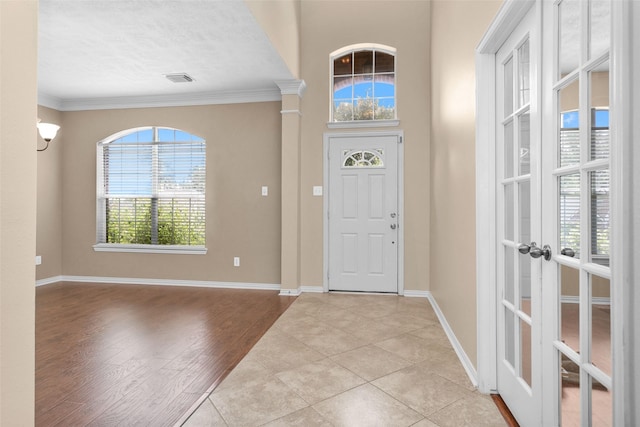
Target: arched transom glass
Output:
{"points": [[363, 83], [362, 159]]}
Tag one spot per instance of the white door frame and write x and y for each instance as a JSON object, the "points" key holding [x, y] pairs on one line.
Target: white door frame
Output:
{"points": [[327, 136], [625, 201]]}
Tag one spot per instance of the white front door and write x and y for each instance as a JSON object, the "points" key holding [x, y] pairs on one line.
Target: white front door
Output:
{"points": [[363, 215], [518, 215]]}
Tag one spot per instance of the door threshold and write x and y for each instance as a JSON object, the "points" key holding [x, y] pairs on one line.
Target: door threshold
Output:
{"points": [[362, 293]]}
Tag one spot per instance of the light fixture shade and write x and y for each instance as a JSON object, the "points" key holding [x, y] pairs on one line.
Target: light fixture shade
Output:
{"points": [[48, 131]]}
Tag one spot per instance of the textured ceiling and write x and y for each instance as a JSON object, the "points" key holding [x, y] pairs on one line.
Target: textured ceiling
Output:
{"points": [[94, 51]]}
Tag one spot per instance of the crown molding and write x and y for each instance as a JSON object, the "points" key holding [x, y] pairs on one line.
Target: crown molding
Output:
{"points": [[48, 101], [181, 100], [292, 87]]}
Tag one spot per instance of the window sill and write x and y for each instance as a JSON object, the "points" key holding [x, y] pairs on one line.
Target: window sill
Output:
{"points": [[150, 249], [363, 124]]}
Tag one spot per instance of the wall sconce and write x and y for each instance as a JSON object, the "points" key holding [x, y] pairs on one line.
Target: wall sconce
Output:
{"points": [[47, 131]]}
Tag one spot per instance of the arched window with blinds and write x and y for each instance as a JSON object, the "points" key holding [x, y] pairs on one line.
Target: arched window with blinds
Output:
{"points": [[151, 189]]}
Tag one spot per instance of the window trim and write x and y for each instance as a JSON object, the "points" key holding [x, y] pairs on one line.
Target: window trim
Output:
{"points": [[128, 247], [150, 249], [332, 124]]}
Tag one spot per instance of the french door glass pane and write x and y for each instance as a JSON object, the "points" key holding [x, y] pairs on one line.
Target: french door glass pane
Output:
{"points": [[569, 212], [509, 337], [508, 150], [601, 324], [569, 125], [509, 211], [599, 183], [569, 49], [601, 406], [509, 273], [525, 351], [570, 395], [600, 12], [599, 107], [524, 142], [524, 205], [524, 195], [524, 84], [508, 87], [570, 307], [525, 283]]}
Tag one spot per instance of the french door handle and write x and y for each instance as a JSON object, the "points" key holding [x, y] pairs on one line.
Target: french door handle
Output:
{"points": [[536, 252], [524, 249], [568, 252]]}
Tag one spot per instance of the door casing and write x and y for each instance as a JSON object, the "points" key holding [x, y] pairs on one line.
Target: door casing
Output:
{"points": [[400, 241]]}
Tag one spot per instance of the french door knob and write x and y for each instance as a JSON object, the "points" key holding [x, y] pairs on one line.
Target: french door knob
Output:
{"points": [[536, 252], [568, 252], [524, 249]]}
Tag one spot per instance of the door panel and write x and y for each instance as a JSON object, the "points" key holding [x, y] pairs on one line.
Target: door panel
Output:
{"points": [[363, 213], [516, 159], [575, 176]]}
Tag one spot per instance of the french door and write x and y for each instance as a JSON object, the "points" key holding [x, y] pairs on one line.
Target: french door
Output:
{"points": [[552, 181]]}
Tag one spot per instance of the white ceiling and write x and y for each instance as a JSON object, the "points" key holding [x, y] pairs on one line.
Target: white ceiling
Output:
{"points": [[115, 53]]}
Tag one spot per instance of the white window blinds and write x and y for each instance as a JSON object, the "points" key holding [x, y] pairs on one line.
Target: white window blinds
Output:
{"points": [[151, 188]]}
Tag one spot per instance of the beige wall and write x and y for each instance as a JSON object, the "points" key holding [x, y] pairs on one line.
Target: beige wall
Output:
{"points": [[327, 26], [49, 223], [243, 154], [457, 27], [18, 116], [280, 19]]}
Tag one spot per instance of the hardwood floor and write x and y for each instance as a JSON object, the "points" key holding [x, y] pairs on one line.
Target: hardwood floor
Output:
{"points": [[504, 411], [139, 355]]}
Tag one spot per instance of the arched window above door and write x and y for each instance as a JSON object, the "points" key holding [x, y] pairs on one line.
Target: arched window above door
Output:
{"points": [[363, 84]]}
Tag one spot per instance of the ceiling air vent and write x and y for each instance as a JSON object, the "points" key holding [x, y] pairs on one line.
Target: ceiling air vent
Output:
{"points": [[179, 77]]}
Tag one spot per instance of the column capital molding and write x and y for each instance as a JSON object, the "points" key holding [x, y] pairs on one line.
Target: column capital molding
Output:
{"points": [[291, 87]]}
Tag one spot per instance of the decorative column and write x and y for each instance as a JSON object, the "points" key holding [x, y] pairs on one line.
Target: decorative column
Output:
{"points": [[292, 91]]}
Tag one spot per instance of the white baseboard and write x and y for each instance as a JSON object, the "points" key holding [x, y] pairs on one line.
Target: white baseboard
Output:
{"points": [[290, 292], [302, 289], [48, 280], [416, 294], [159, 282], [457, 347]]}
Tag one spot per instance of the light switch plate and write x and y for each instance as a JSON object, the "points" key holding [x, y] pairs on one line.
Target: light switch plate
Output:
{"points": [[317, 190], [38, 260], [265, 190]]}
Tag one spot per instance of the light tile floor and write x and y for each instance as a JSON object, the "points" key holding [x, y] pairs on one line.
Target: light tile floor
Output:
{"points": [[350, 360]]}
